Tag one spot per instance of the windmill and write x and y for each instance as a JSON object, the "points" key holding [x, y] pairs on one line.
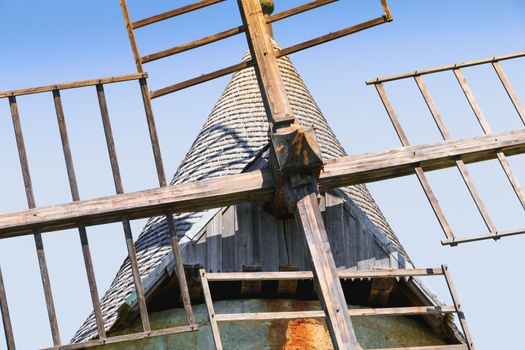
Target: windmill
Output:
{"points": [[295, 174]]}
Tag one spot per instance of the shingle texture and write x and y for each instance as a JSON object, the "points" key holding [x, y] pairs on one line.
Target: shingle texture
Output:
{"points": [[233, 135]]}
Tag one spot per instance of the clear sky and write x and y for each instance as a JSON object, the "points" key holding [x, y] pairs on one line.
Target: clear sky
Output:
{"points": [[56, 41]]}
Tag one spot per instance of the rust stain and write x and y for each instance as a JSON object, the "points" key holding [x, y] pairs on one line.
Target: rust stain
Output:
{"points": [[298, 142], [306, 334], [305, 158]]}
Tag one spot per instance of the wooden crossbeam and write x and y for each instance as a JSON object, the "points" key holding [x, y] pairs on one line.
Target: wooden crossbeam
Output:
{"points": [[258, 185], [292, 315], [192, 45], [173, 13], [126, 338], [73, 85], [445, 68], [303, 275]]}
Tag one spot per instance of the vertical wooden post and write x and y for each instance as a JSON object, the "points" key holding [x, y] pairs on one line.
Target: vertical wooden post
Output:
{"points": [[175, 247], [6, 318], [211, 311], [125, 222], [88, 262], [44, 273], [459, 309], [307, 211]]}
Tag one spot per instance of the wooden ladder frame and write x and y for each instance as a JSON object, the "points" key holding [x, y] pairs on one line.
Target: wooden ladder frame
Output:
{"points": [[456, 308]]}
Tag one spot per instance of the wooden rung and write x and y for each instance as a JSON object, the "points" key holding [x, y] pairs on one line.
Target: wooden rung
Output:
{"points": [[386, 10], [291, 315], [431, 347], [303, 275], [458, 307], [459, 163], [152, 128], [39, 244], [488, 130], [500, 234], [201, 79], [434, 203], [510, 90], [88, 263], [6, 318], [297, 10], [173, 13], [332, 36], [72, 85], [127, 337], [192, 45], [119, 188], [212, 317], [445, 68]]}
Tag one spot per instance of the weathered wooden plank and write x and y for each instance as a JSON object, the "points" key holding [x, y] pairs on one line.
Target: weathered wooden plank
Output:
{"points": [[212, 317], [401, 161], [269, 234], [6, 318], [173, 13], [192, 45], [309, 220], [258, 185], [297, 10], [243, 236], [510, 90], [302, 275], [72, 85], [229, 252], [291, 315], [447, 67], [332, 36], [214, 244], [334, 214], [86, 253], [275, 99], [126, 338], [39, 244], [458, 307]]}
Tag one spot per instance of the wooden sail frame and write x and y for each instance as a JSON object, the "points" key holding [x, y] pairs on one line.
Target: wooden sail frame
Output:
{"points": [[501, 156]]}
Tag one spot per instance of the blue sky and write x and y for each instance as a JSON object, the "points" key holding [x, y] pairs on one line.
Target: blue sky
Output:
{"points": [[56, 41]]}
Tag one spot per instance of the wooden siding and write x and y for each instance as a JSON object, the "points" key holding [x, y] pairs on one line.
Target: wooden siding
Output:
{"points": [[247, 235]]}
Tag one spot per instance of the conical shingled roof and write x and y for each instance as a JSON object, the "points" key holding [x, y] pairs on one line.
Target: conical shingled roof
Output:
{"points": [[234, 134]]}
